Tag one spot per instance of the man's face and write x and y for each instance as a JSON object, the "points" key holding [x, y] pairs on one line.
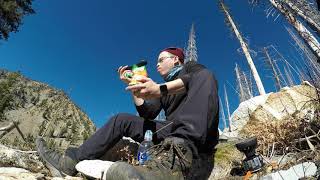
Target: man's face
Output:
{"points": [[166, 61]]}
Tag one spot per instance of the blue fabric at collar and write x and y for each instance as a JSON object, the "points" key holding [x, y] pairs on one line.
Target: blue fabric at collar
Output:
{"points": [[173, 73]]}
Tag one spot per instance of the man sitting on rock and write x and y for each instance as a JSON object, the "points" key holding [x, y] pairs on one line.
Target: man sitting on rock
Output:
{"points": [[189, 98]]}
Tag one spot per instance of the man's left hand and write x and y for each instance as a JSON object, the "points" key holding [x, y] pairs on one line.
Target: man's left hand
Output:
{"points": [[147, 89]]}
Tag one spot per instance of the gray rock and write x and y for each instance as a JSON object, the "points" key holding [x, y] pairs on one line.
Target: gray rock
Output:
{"points": [[8, 173], [304, 170], [273, 107], [21, 159], [41, 111]]}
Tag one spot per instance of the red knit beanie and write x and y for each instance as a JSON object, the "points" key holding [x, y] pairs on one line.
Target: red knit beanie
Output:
{"points": [[175, 51]]}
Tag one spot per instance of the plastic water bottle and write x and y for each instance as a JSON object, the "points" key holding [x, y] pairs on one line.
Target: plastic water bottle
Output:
{"points": [[143, 154]]}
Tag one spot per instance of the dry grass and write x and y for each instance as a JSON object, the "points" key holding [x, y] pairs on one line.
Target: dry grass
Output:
{"points": [[295, 135]]}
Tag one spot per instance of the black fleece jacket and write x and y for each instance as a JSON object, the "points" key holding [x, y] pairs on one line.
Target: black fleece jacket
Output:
{"points": [[195, 113]]}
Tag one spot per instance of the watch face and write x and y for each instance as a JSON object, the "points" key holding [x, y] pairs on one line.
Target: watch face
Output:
{"points": [[163, 90]]}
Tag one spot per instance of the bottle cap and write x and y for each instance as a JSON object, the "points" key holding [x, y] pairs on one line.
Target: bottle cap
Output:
{"points": [[148, 135], [139, 64]]}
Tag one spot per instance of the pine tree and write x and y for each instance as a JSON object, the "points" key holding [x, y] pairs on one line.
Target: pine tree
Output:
{"points": [[11, 15]]}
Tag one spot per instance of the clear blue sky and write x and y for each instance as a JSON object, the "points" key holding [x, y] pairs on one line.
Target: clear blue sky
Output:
{"points": [[77, 45]]}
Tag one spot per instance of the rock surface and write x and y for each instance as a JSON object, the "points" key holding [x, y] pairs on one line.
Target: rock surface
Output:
{"points": [[39, 110], [296, 100], [21, 159], [18, 173], [304, 170]]}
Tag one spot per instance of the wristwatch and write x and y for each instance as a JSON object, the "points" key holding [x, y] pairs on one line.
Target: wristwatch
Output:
{"points": [[163, 89]]}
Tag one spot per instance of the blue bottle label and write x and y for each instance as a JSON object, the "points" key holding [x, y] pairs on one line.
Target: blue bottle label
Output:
{"points": [[142, 157]]}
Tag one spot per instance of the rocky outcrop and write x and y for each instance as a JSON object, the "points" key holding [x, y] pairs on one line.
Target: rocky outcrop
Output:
{"points": [[21, 159], [296, 101], [286, 125], [36, 109]]}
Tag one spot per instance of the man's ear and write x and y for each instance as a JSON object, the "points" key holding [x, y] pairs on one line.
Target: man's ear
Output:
{"points": [[176, 61]]}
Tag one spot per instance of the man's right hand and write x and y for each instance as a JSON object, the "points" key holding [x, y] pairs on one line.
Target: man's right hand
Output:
{"points": [[121, 70]]}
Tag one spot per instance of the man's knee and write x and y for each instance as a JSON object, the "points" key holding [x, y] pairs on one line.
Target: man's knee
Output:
{"points": [[123, 121], [121, 117], [128, 125]]}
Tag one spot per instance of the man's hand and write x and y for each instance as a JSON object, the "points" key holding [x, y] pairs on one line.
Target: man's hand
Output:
{"points": [[121, 70], [147, 89]]}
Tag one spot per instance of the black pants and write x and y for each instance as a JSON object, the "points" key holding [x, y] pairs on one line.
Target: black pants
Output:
{"points": [[118, 126]]}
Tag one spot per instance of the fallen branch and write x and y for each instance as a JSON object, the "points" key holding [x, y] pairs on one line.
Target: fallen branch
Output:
{"points": [[316, 134], [12, 125], [7, 128], [18, 129], [305, 139], [311, 146], [18, 150]]}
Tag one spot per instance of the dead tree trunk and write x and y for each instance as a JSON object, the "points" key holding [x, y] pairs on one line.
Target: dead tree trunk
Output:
{"points": [[311, 58], [301, 8], [239, 82], [282, 79], [245, 49], [301, 29], [11, 126], [289, 78], [6, 129], [247, 86], [223, 114], [275, 73], [228, 110], [302, 76]]}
